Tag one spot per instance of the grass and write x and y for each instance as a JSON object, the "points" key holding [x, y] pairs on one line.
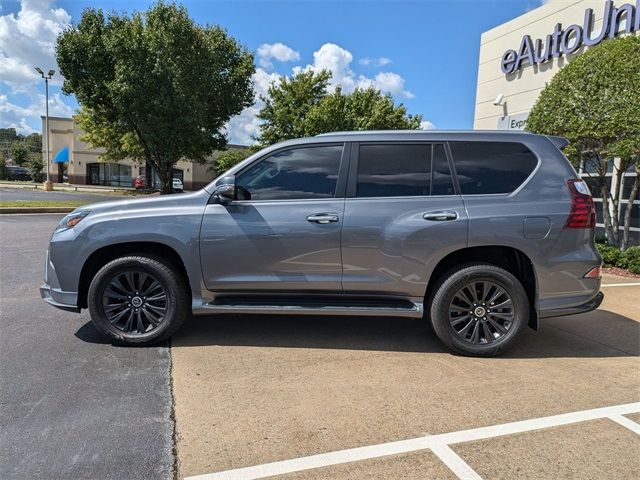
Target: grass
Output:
{"points": [[43, 203]]}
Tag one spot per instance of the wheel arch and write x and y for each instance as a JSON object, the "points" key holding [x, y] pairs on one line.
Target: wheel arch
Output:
{"points": [[104, 255], [511, 259]]}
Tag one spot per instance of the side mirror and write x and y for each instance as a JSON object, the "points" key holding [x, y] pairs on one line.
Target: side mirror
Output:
{"points": [[225, 191]]}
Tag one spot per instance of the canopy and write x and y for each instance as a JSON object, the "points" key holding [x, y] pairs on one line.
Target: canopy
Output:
{"points": [[62, 156]]}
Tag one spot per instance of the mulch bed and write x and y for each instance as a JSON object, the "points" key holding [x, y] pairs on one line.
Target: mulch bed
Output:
{"points": [[621, 272]]}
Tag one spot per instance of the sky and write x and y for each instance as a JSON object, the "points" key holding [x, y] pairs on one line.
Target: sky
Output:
{"points": [[424, 53]]}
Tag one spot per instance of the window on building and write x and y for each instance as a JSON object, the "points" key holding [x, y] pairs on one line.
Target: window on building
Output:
{"points": [[298, 173], [491, 167]]}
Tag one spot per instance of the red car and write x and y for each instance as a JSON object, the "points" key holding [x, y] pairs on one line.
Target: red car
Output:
{"points": [[139, 182]]}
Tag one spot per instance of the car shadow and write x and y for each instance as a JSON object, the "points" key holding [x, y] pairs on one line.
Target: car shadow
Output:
{"points": [[595, 334]]}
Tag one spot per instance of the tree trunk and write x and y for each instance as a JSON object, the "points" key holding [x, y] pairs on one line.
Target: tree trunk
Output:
{"points": [[627, 214], [612, 238], [148, 173], [166, 179]]}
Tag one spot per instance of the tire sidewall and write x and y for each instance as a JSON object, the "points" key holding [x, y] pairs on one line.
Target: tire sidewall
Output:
{"points": [[101, 281], [455, 280]]}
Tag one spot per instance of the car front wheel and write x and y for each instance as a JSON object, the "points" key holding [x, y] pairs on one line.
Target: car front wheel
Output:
{"points": [[138, 300], [479, 309]]}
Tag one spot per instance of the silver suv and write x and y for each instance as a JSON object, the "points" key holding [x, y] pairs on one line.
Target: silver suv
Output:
{"points": [[481, 233]]}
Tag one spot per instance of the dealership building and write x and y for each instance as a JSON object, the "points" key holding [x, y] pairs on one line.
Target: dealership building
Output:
{"points": [[518, 58], [73, 161]]}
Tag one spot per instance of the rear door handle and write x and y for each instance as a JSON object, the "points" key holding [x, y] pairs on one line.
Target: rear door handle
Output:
{"points": [[440, 216], [322, 218]]}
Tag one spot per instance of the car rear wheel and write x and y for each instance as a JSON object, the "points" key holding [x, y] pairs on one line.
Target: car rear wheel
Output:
{"points": [[479, 309], [138, 300]]}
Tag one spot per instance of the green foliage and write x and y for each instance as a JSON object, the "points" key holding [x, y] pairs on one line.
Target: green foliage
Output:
{"points": [[154, 86], [4, 174], [614, 257], [364, 109], [36, 167], [611, 255], [301, 106], [288, 103], [229, 158], [593, 102], [631, 259], [19, 153]]}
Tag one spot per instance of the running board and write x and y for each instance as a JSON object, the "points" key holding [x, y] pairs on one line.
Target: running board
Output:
{"points": [[301, 306]]}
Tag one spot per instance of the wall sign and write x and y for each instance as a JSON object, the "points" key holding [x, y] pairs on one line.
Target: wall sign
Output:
{"points": [[568, 40], [513, 122]]}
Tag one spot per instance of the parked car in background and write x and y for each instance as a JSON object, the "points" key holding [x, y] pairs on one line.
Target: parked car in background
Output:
{"points": [[481, 233], [177, 185], [15, 172], [139, 182]]}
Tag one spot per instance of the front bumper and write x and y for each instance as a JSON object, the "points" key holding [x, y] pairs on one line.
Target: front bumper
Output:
{"points": [[584, 308], [51, 292], [63, 300]]}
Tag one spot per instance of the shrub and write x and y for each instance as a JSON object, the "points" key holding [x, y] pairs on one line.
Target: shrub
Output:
{"points": [[630, 259], [4, 174], [610, 255]]}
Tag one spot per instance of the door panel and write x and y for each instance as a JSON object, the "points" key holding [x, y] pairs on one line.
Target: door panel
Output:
{"points": [[271, 246], [389, 247]]}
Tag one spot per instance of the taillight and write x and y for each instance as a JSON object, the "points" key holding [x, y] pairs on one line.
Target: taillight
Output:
{"points": [[583, 211], [595, 272]]}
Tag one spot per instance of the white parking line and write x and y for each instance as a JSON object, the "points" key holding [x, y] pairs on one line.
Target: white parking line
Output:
{"points": [[626, 422], [436, 443], [634, 284]]}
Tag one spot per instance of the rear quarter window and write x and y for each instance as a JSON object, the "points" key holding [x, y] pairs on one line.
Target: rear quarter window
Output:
{"points": [[491, 167]]}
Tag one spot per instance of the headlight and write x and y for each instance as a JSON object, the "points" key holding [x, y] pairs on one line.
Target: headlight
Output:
{"points": [[72, 220]]}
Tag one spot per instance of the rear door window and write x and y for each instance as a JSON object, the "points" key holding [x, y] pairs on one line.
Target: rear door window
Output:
{"points": [[403, 170], [491, 167]]}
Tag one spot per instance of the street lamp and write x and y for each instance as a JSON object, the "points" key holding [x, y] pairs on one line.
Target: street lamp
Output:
{"points": [[48, 185]]}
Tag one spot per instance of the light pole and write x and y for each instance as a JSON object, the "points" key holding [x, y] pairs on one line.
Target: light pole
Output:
{"points": [[48, 185]]}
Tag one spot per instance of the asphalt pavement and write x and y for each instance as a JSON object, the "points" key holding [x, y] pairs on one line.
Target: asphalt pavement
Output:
{"points": [[21, 194], [71, 405]]}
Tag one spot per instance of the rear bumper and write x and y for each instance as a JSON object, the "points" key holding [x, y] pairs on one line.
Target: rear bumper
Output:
{"points": [[584, 308]]}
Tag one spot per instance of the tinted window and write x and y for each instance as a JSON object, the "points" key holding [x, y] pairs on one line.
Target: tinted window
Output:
{"points": [[491, 167], [299, 173], [441, 183], [393, 170]]}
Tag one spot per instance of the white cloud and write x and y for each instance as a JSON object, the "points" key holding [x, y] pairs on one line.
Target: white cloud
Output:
{"points": [[329, 56], [392, 83], [375, 62], [243, 128], [21, 118], [27, 40], [276, 51], [427, 125]]}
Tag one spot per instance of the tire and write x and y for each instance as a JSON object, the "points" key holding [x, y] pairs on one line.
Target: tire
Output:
{"points": [[138, 300], [462, 299]]}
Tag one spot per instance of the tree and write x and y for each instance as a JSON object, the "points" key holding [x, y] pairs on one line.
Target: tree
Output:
{"points": [[155, 86], [364, 109], [19, 153], [229, 158], [288, 103], [593, 102], [36, 167], [301, 106]]}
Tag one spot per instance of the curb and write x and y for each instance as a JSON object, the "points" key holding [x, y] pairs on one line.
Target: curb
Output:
{"points": [[18, 210]]}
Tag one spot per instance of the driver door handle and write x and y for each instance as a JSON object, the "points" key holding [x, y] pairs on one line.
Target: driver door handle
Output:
{"points": [[322, 218], [440, 216]]}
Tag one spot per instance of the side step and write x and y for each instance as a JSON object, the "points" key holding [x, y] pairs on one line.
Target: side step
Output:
{"points": [[313, 306]]}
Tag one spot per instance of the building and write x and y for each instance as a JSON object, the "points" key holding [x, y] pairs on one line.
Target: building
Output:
{"points": [[518, 58], [73, 161]]}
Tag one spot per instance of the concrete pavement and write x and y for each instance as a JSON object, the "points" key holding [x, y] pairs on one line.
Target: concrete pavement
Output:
{"points": [[251, 390]]}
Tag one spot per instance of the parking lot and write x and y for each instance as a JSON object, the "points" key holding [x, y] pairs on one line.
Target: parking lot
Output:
{"points": [[309, 398]]}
